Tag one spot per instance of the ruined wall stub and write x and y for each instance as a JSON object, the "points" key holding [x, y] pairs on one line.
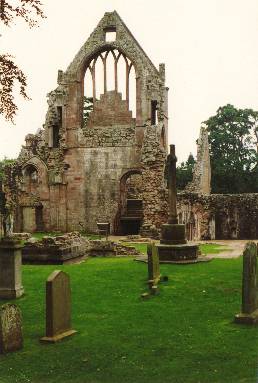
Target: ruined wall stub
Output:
{"points": [[201, 183], [72, 171]]}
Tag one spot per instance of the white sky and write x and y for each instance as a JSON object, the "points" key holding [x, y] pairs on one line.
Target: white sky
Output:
{"points": [[210, 48]]}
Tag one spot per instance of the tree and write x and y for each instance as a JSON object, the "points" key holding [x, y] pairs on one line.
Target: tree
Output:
{"points": [[10, 74], [184, 172], [234, 159], [87, 108]]}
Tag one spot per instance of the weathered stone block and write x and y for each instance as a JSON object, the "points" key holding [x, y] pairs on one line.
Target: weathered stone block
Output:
{"points": [[10, 328], [172, 234]]}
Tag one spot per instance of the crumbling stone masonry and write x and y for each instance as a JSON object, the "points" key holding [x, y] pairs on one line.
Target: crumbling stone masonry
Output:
{"points": [[215, 216], [219, 216], [73, 174], [201, 183]]}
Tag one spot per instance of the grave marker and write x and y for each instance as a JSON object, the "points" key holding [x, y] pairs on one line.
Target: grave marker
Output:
{"points": [[249, 314], [154, 276], [153, 265], [58, 307], [10, 328]]}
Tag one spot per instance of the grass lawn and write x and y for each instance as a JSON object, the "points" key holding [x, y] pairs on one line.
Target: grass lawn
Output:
{"points": [[183, 335]]}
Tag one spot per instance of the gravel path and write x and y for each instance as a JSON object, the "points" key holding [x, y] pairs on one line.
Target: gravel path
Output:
{"points": [[235, 248]]}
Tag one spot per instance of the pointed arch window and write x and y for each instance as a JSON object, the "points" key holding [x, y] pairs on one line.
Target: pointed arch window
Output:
{"points": [[111, 70]]}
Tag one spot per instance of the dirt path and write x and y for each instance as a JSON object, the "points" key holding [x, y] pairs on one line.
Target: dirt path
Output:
{"points": [[235, 248]]}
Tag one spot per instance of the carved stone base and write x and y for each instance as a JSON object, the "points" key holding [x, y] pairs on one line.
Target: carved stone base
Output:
{"points": [[11, 293], [178, 253], [250, 319], [56, 338]]}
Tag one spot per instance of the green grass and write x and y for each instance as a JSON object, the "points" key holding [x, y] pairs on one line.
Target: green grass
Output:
{"points": [[184, 335], [212, 248]]}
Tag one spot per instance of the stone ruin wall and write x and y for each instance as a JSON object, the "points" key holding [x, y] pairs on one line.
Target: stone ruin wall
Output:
{"points": [[201, 183], [219, 216], [75, 184], [215, 216]]}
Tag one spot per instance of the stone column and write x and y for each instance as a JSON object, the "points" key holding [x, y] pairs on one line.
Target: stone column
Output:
{"points": [[10, 269]]}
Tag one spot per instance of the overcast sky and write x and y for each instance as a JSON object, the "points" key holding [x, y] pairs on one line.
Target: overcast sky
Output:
{"points": [[210, 48]]}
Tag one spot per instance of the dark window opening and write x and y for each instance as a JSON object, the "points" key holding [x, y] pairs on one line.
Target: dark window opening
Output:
{"points": [[31, 179], [57, 127], [154, 112], [55, 136], [39, 218]]}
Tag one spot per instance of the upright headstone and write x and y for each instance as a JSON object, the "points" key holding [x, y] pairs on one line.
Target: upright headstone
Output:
{"points": [[10, 269], [153, 264], [249, 313], [58, 307], [10, 328], [154, 276]]}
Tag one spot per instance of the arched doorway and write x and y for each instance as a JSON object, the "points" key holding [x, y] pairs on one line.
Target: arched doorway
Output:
{"points": [[131, 203]]}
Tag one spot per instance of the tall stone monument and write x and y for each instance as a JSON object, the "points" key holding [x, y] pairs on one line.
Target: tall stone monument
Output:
{"points": [[10, 328], [58, 307], [10, 269], [173, 247], [249, 312]]}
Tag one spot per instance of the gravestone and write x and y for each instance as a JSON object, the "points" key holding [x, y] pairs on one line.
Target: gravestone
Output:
{"points": [[153, 265], [154, 276], [10, 269], [58, 307], [249, 313], [10, 328]]}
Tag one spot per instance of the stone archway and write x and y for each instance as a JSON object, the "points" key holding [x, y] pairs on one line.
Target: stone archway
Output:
{"points": [[131, 203]]}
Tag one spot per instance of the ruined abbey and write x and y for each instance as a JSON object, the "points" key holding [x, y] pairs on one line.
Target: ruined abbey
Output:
{"points": [[100, 156], [104, 165]]}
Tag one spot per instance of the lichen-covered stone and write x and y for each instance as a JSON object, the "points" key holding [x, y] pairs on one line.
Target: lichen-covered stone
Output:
{"points": [[11, 338]]}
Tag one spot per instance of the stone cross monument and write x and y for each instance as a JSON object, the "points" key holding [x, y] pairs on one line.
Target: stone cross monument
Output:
{"points": [[170, 173], [173, 247]]}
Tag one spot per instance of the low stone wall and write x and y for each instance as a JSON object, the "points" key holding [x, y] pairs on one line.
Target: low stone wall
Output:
{"points": [[57, 250], [21, 236], [110, 248]]}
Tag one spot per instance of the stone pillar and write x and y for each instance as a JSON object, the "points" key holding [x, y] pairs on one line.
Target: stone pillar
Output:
{"points": [[10, 269], [249, 314]]}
